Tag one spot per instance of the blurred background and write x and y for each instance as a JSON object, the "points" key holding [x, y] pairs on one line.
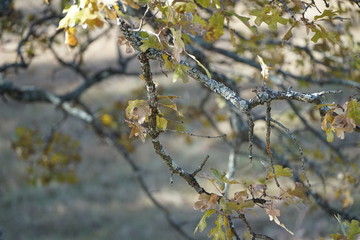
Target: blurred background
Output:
{"points": [[106, 202]]}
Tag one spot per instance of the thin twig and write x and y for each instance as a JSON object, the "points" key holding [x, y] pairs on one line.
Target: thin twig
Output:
{"points": [[233, 230], [192, 134], [293, 138], [268, 142], [201, 166], [251, 135]]}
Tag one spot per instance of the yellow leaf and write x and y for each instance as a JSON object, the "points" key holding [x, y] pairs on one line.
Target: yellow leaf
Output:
{"points": [[202, 223], [131, 4], [110, 13], [329, 135], [107, 119], [161, 123], [92, 23], [325, 105], [353, 110], [168, 65], [71, 17], [201, 65], [70, 38]]}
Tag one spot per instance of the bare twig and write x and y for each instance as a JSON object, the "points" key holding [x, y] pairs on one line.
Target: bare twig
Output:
{"points": [[201, 166], [293, 138], [251, 135], [192, 134], [268, 141], [233, 230]]}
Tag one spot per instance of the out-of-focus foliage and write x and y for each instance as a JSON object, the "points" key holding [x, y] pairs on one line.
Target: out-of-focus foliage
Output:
{"points": [[49, 159]]}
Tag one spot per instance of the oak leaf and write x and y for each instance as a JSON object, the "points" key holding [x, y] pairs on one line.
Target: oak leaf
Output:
{"points": [[206, 202], [137, 130]]}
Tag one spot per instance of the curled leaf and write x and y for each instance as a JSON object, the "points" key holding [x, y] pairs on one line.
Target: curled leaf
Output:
{"points": [[274, 214], [138, 110], [264, 68], [137, 130], [206, 202]]}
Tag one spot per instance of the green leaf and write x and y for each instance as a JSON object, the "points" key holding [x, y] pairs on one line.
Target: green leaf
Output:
{"points": [[204, 3], [218, 175], [215, 27], [269, 15], [244, 20], [168, 65], [353, 111], [202, 223], [239, 207], [161, 123], [337, 236], [180, 73], [289, 34], [219, 178], [354, 229], [326, 13], [261, 15], [217, 232], [150, 42], [321, 32], [280, 171], [329, 135], [199, 20], [182, 7], [275, 19], [318, 34]]}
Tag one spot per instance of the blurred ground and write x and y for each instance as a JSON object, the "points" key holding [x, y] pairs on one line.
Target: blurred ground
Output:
{"points": [[106, 202]]}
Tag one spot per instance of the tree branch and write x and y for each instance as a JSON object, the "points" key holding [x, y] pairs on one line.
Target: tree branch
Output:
{"points": [[154, 132]]}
